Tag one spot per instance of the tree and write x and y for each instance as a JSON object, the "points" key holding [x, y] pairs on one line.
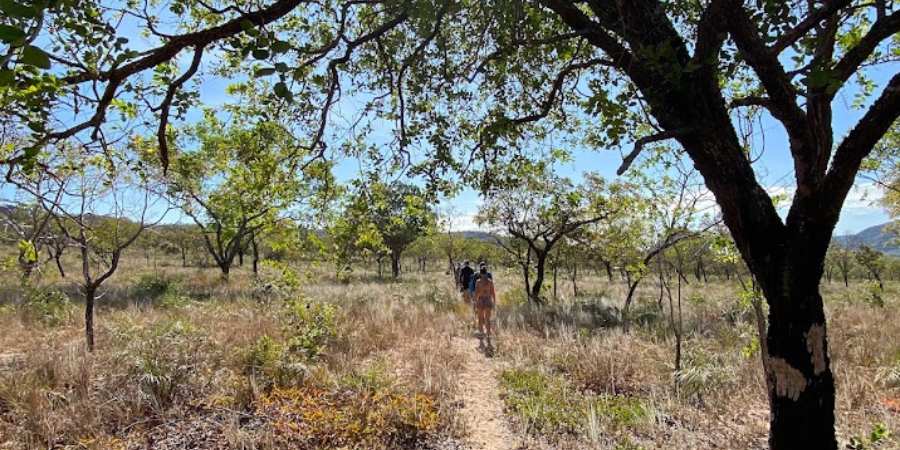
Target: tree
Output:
{"points": [[239, 180], [396, 214], [871, 260], [101, 206], [841, 256], [666, 65], [539, 211]]}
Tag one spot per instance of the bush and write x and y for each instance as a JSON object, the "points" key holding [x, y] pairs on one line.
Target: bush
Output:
{"points": [[162, 361], [309, 327], [164, 290], [276, 281], [267, 362], [49, 307], [549, 404]]}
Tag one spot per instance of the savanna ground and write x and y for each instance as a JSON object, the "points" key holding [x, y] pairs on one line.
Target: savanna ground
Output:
{"points": [[300, 360]]}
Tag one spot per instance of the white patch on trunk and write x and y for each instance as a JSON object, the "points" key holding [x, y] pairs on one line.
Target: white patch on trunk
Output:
{"points": [[789, 382], [815, 343]]}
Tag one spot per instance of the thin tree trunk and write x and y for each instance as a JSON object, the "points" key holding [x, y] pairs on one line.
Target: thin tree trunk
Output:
{"points": [[255, 248], [538, 277], [89, 296], [183, 257]]}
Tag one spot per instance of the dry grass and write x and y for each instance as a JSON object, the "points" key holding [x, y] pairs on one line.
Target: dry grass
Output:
{"points": [[218, 365]]}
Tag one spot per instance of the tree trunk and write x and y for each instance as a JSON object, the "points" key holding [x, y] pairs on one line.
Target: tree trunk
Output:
{"points": [[609, 271], [395, 264], [555, 271], [90, 293], [846, 281], [57, 257], [538, 284], [575, 280], [225, 267], [183, 257], [255, 256], [632, 287], [802, 385], [241, 255]]}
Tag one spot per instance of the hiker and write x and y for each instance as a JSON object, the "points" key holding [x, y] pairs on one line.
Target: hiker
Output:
{"points": [[484, 299], [466, 276]]}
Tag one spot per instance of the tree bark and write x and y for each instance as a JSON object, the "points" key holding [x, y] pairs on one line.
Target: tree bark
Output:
{"points": [[395, 264], [183, 257], [90, 294], [255, 247], [539, 265]]}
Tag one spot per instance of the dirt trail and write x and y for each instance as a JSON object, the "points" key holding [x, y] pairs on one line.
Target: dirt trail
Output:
{"points": [[482, 410]]}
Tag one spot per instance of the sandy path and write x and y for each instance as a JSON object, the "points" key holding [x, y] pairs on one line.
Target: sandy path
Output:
{"points": [[482, 410]]}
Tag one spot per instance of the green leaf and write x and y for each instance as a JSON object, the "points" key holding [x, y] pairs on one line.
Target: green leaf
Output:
{"points": [[281, 90], [260, 53], [18, 10], [281, 67], [34, 56], [7, 77], [262, 72], [10, 34], [280, 46]]}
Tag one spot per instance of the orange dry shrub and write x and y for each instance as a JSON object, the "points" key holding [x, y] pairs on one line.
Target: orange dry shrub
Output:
{"points": [[312, 417]]}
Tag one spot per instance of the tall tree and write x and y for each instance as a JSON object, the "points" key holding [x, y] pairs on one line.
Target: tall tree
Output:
{"points": [[680, 68], [539, 210]]}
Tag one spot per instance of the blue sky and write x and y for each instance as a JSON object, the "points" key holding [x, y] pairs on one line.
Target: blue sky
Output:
{"points": [[774, 167]]}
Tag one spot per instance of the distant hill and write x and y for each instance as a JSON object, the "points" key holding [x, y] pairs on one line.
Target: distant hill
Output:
{"points": [[479, 235], [876, 237]]}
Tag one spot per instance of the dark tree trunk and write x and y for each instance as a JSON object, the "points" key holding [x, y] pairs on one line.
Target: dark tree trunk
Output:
{"points": [[58, 257], [255, 247], [846, 280], [799, 367], [538, 284], [183, 257], [395, 264], [241, 256], [609, 270], [555, 271], [632, 287], [90, 293]]}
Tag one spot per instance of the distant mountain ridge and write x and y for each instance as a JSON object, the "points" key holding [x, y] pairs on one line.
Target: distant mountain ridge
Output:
{"points": [[877, 237]]}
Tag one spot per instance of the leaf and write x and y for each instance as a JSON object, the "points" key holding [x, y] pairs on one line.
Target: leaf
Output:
{"points": [[10, 33], [34, 56], [7, 77], [280, 46], [260, 53], [14, 9], [281, 90], [262, 72]]}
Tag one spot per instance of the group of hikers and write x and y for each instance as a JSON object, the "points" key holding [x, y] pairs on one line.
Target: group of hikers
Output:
{"points": [[478, 290]]}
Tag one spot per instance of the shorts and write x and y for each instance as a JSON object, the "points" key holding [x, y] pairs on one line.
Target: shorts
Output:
{"points": [[484, 303]]}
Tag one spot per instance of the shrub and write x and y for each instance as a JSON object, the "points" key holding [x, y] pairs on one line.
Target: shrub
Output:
{"points": [[276, 281], [162, 289], [267, 362], [309, 327], [162, 361], [878, 436], [549, 404], [49, 307]]}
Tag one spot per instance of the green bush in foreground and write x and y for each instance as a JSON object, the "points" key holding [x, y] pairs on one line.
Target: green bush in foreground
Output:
{"points": [[549, 404]]}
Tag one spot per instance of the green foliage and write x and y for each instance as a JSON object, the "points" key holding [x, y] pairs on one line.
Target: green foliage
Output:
{"points": [[162, 360], [46, 306], [268, 362], [164, 290], [872, 293], [875, 439], [309, 327], [549, 404]]}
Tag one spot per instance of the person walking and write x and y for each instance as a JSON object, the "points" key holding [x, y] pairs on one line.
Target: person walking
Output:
{"points": [[484, 300], [466, 278]]}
